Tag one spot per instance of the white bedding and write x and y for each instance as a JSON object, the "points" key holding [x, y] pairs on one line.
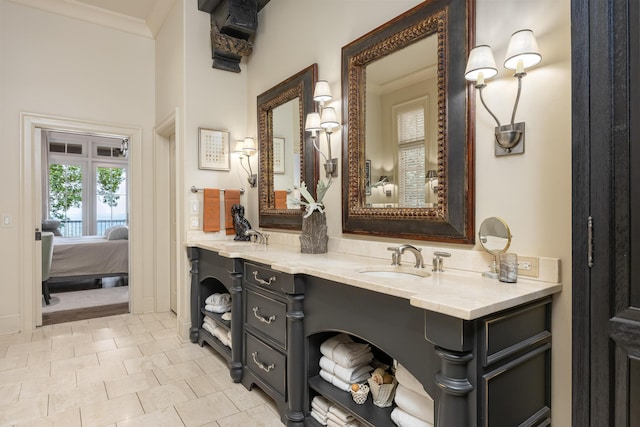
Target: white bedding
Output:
{"points": [[92, 256]]}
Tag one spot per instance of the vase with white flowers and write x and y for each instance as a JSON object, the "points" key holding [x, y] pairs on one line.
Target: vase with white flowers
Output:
{"points": [[314, 238]]}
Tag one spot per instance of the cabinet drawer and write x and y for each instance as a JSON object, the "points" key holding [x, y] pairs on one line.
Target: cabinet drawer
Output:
{"points": [[266, 363], [515, 331], [267, 315], [268, 278]]}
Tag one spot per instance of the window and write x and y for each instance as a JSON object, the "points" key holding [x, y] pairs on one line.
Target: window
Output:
{"points": [[87, 185], [411, 134]]}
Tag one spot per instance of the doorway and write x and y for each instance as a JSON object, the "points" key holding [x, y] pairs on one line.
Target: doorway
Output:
{"points": [[33, 126], [85, 203]]}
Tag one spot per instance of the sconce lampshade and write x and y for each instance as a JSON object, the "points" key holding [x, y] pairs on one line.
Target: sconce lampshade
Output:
{"points": [[481, 64], [329, 119], [249, 146], [384, 179], [239, 146], [522, 47], [322, 92], [312, 122], [432, 174], [246, 146]]}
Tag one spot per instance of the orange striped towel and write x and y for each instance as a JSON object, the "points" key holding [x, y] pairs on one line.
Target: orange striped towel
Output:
{"points": [[211, 210], [281, 199], [231, 197]]}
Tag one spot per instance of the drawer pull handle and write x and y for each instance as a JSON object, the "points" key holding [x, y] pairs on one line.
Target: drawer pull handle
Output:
{"points": [[267, 320], [260, 364], [262, 281]]}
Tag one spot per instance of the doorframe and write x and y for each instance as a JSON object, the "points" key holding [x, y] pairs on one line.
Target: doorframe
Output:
{"points": [[31, 202]]}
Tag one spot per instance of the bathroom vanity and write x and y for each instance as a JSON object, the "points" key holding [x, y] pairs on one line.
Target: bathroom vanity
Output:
{"points": [[480, 348]]}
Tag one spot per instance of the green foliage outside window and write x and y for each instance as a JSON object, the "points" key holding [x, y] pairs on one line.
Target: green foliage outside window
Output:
{"points": [[65, 190], [109, 180]]}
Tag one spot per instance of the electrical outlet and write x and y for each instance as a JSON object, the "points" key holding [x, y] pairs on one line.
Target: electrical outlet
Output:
{"points": [[528, 266], [6, 220]]}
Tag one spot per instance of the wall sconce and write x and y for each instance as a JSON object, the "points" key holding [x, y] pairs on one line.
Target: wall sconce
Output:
{"points": [[432, 176], [382, 182], [325, 120], [247, 148], [522, 53]]}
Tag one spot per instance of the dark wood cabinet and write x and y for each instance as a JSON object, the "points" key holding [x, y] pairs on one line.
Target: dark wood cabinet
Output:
{"points": [[211, 273], [492, 371]]}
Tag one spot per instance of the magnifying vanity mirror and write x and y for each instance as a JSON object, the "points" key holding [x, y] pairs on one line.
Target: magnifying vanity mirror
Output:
{"points": [[495, 238], [286, 157], [409, 118]]}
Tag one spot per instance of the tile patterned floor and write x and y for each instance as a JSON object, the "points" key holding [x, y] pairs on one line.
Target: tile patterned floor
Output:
{"points": [[121, 371]]}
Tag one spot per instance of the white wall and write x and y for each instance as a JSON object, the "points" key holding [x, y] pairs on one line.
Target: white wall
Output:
{"points": [[531, 192], [64, 67]]}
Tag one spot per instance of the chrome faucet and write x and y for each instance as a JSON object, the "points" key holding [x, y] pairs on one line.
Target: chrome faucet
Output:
{"points": [[438, 262], [257, 237], [397, 251]]}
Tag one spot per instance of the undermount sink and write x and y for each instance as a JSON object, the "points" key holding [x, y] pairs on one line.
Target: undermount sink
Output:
{"points": [[393, 272]]}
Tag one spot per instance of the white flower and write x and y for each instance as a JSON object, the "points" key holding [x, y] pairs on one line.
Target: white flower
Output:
{"points": [[309, 202]]}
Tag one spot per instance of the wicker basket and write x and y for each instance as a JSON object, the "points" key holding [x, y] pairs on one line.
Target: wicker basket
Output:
{"points": [[383, 394], [360, 396]]}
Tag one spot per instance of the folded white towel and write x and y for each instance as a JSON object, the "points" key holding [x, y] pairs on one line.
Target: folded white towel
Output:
{"points": [[322, 419], [226, 316], [217, 308], [414, 404], [334, 423], [221, 334], [321, 403], [229, 339], [339, 415], [344, 351], [209, 321], [402, 419], [407, 379], [350, 375], [332, 379], [218, 299], [207, 327]]}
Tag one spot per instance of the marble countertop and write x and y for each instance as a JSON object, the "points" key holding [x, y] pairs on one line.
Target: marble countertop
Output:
{"points": [[462, 294]]}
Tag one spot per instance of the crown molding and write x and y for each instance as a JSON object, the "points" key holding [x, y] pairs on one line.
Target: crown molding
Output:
{"points": [[103, 17]]}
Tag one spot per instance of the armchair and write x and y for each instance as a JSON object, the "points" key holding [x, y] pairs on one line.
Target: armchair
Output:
{"points": [[47, 255]]}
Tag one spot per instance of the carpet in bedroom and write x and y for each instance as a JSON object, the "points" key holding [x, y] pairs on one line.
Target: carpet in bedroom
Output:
{"points": [[85, 304]]}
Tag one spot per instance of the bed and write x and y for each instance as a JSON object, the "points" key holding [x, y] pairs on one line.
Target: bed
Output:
{"points": [[88, 257]]}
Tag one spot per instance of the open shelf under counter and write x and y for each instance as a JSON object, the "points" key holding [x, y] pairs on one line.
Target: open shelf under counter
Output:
{"points": [[217, 317], [215, 343], [367, 413]]}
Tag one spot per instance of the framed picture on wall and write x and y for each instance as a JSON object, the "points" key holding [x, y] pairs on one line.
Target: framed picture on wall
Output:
{"points": [[278, 155], [213, 149]]}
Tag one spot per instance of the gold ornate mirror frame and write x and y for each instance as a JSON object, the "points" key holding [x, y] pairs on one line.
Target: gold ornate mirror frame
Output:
{"points": [[298, 86], [452, 220]]}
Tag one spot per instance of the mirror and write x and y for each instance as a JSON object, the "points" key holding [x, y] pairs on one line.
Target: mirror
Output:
{"points": [[286, 157], [409, 135], [495, 238]]}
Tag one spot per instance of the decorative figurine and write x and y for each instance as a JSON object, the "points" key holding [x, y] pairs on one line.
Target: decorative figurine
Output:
{"points": [[240, 223]]}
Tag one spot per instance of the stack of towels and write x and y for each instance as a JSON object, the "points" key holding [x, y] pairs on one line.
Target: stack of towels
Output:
{"points": [[331, 415], [414, 406], [217, 331], [344, 361], [218, 303]]}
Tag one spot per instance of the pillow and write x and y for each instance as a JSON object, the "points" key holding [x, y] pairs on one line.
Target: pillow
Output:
{"points": [[117, 232]]}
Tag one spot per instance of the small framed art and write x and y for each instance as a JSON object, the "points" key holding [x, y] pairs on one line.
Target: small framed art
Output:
{"points": [[213, 149], [367, 177]]}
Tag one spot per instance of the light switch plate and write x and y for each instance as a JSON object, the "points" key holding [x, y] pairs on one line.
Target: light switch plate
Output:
{"points": [[6, 220], [194, 223], [195, 206]]}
